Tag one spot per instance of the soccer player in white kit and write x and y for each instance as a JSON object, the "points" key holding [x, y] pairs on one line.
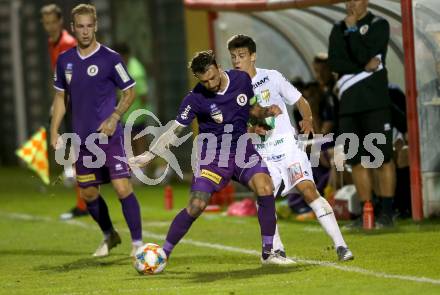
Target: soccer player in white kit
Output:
{"points": [[287, 163]]}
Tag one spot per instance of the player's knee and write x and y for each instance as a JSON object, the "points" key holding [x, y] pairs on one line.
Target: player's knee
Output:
{"points": [[308, 191], [90, 193], [264, 189], [196, 207], [123, 191], [198, 203], [262, 185]]}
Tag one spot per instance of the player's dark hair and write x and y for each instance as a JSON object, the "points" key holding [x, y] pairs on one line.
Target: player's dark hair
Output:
{"points": [[82, 9], [51, 9], [242, 41], [200, 63]]}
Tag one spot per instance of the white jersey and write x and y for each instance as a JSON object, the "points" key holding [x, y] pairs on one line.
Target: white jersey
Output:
{"points": [[285, 161], [270, 87]]}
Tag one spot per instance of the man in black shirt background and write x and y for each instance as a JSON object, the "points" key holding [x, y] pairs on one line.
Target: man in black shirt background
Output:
{"points": [[357, 53]]}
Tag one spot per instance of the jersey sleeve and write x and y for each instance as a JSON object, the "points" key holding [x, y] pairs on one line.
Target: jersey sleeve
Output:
{"points": [[120, 74], [187, 110], [288, 92], [59, 79]]}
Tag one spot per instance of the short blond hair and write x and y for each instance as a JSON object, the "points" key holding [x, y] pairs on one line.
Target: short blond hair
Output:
{"points": [[82, 9]]}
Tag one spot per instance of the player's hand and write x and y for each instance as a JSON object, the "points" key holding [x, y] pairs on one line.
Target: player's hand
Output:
{"points": [[373, 64], [55, 140], [141, 160], [306, 127], [351, 18], [260, 130], [108, 127], [274, 110]]}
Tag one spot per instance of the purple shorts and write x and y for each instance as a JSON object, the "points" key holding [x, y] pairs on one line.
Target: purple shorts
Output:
{"points": [[213, 177], [111, 169]]}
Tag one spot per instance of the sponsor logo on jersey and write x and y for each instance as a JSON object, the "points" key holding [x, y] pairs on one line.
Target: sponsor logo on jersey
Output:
{"points": [[276, 158], [92, 70], [261, 82], [86, 177], [295, 172], [122, 73], [216, 114], [387, 127], [242, 99], [214, 177], [185, 112], [118, 167], [68, 73], [269, 143], [364, 29]]}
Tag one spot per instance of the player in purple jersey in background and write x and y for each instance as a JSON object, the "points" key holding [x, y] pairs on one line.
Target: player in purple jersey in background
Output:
{"points": [[221, 102], [88, 75]]}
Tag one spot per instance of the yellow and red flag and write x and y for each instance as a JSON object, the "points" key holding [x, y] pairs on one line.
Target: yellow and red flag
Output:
{"points": [[34, 153]]}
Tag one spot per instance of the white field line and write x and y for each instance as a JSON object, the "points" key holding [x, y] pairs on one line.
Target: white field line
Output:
{"points": [[346, 268]]}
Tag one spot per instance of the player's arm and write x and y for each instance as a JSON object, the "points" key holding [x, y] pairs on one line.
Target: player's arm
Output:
{"points": [[261, 118], [306, 123], [364, 50], [58, 112], [169, 137], [108, 127], [259, 112], [125, 102]]}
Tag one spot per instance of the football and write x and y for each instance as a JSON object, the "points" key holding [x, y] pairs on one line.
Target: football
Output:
{"points": [[150, 259]]}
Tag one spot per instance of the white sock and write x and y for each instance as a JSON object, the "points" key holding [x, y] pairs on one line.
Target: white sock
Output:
{"points": [[326, 218], [137, 243], [277, 244]]}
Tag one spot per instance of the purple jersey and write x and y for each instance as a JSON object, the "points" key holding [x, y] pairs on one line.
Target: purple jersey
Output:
{"points": [[90, 83], [215, 110]]}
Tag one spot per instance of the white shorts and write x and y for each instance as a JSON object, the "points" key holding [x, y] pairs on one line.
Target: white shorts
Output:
{"points": [[286, 163]]}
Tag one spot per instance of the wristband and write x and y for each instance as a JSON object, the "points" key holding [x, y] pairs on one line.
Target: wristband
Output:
{"points": [[116, 116]]}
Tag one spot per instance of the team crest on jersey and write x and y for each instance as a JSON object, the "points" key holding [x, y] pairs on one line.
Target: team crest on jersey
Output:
{"points": [[242, 99], [265, 95], [68, 73], [216, 114], [92, 70], [364, 29]]}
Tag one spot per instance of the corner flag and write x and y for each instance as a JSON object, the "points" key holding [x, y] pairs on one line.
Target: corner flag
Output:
{"points": [[34, 153]]}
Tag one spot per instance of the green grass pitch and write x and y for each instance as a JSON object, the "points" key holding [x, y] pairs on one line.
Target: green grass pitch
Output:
{"points": [[40, 254]]}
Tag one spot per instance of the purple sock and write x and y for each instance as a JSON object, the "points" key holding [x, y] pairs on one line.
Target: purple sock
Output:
{"points": [[267, 220], [179, 227], [132, 214], [99, 212]]}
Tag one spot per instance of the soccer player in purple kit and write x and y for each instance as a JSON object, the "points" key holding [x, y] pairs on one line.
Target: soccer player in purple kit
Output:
{"points": [[89, 74], [221, 102]]}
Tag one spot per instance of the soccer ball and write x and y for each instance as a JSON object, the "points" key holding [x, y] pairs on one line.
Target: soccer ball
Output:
{"points": [[150, 259]]}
